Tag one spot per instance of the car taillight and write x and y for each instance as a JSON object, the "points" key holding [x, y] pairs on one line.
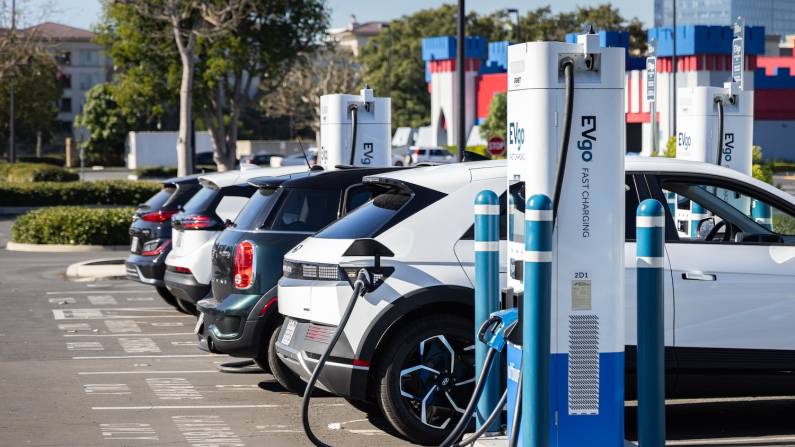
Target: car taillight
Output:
{"points": [[244, 264], [183, 270], [416, 152], [197, 221], [159, 216], [158, 250], [249, 162]]}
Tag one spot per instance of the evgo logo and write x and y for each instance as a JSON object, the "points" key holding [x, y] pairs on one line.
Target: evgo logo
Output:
{"points": [[515, 135]]}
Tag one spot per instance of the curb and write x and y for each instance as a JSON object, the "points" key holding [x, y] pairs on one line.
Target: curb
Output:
{"points": [[97, 269], [62, 248], [19, 210]]}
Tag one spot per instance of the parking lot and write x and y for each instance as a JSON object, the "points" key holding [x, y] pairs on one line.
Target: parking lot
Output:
{"points": [[106, 363]]}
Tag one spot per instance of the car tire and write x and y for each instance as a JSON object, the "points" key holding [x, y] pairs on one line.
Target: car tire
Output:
{"points": [[262, 362], [364, 406], [187, 307], [399, 163], [170, 299], [446, 341], [284, 375]]}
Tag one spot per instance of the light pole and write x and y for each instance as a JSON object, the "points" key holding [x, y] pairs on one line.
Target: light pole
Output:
{"points": [[388, 59], [460, 129], [673, 70], [12, 155], [514, 11]]}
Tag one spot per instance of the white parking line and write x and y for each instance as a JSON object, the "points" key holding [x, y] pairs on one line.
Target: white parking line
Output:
{"points": [[143, 356], [122, 326], [140, 299], [74, 327], [102, 300], [66, 300], [106, 388], [93, 291], [185, 407], [109, 431], [84, 346], [126, 335], [138, 345], [91, 373], [173, 388], [168, 324]]}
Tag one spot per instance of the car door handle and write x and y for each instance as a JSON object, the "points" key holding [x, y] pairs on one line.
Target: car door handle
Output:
{"points": [[698, 277]]}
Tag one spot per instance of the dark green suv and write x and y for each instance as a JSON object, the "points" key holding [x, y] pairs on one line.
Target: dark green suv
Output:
{"points": [[241, 319]]}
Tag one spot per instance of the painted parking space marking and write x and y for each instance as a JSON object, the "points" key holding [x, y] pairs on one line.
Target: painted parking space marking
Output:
{"points": [[106, 388], [138, 345], [278, 429], [173, 388], [183, 343], [114, 314], [127, 431], [141, 356], [125, 335], [74, 327], [206, 430], [237, 387], [122, 326], [94, 292], [91, 373], [141, 299], [102, 300], [84, 346], [168, 324], [186, 407], [66, 300], [757, 441]]}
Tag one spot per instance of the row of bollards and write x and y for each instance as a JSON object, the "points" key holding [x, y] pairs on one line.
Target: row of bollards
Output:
{"points": [[536, 321]]}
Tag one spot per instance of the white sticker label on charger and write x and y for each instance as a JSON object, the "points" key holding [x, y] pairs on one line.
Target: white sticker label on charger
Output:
{"points": [[581, 294]]}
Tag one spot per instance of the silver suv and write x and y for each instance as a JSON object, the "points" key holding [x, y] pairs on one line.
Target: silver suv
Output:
{"points": [[429, 155]]}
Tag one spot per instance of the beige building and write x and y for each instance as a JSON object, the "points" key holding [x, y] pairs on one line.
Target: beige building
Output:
{"points": [[82, 63], [356, 35]]}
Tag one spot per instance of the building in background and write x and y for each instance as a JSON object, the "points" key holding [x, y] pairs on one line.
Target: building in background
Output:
{"points": [[356, 35], [703, 59], [81, 62], [777, 16]]}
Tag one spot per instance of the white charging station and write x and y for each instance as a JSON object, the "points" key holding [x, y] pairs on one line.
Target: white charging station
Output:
{"points": [[363, 118], [700, 136], [587, 346]]}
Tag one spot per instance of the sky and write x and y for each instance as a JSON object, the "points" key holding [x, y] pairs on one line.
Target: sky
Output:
{"points": [[84, 13]]}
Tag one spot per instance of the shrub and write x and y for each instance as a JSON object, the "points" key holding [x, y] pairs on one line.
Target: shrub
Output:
{"points": [[74, 225], [35, 172], [55, 160], [168, 171], [105, 192]]}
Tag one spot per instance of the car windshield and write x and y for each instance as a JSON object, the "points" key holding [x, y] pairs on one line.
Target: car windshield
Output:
{"points": [[253, 215], [306, 210]]}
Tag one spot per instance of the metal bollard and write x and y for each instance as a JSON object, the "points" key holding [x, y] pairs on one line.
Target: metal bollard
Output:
{"points": [[762, 214], [487, 294], [537, 324], [651, 337]]}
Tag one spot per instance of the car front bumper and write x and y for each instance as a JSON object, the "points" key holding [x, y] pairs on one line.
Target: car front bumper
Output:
{"points": [[237, 326], [309, 341]]}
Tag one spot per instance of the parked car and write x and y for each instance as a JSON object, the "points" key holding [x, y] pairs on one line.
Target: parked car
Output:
{"points": [[201, 220], [204, 158], [297, 159], [259, 159], [429, 155], [150, 233], [240, 319], [728, 302]]}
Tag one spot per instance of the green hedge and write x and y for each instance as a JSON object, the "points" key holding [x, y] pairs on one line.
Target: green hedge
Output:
{"points": [[105, 192], [168, 171], [35, 172], [55, 160], [74, 225]]}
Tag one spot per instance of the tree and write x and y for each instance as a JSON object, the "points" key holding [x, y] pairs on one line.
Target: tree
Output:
{"points": [[188, 20], [37, 88], [496, 123], [107, 123], [273, 37], [328, 71]]}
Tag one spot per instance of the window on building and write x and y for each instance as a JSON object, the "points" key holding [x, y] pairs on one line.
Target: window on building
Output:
{"points": [[64, 58], [66, 126], [66, 80], [88, 80], [82, 103], [66, 105], [89, 58]]}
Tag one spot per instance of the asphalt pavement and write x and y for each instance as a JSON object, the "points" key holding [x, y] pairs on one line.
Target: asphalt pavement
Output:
{"points": [[109, 364]]}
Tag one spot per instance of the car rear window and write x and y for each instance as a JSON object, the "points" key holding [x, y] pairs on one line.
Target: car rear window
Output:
{"points": [[390, 205], [306, 209], [157, 201], [208, 197], [253, 215]]}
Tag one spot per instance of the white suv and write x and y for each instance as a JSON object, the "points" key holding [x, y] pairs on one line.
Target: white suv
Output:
{"points": [[437, 155], [201, 220]]}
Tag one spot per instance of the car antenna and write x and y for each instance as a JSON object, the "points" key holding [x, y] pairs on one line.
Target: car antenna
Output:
{"points": [[308, 166]]}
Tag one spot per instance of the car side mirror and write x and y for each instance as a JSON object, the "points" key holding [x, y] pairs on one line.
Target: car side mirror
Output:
{"points": [[705, 226]]}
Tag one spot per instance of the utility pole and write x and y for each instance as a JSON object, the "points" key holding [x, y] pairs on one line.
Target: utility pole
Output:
{"points": [[514, 11], [12, 155], [673, 71], [460, 126]]}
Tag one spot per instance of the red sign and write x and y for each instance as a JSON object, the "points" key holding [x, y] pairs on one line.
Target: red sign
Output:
{"points": [[496, 146]]}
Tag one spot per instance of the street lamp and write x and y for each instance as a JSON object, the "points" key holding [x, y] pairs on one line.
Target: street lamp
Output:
{"points": [[12, 154], [514, 11], [388, 59]]}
